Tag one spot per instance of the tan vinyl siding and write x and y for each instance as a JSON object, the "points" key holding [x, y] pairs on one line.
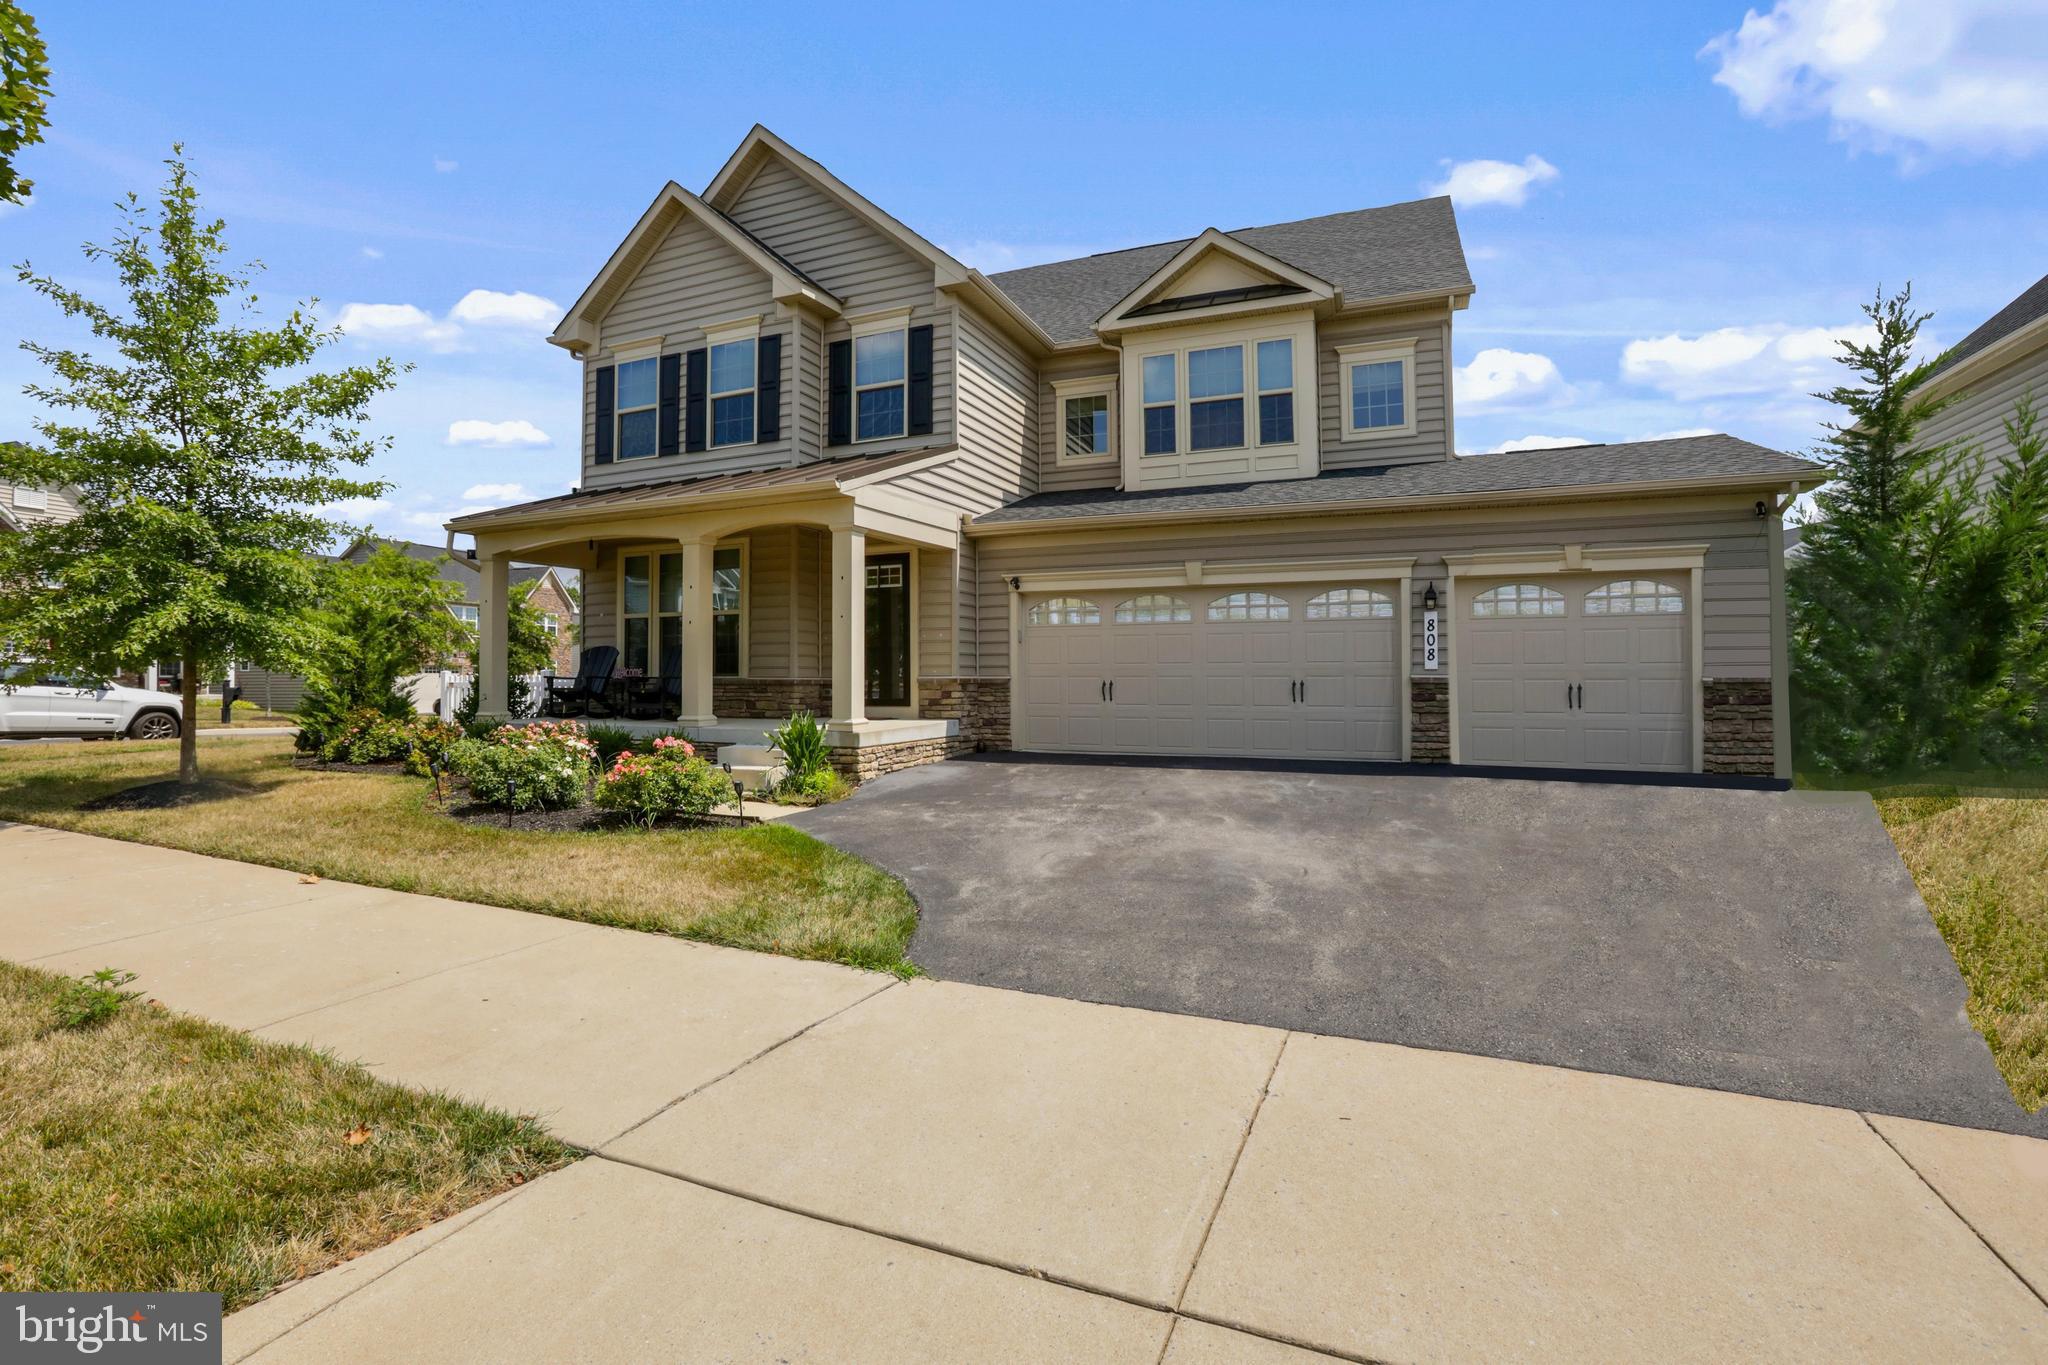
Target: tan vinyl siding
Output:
{"points": [[967, 654], [692, 278], [934, 613], [601, 598], [1978, 418], [810, 598], [1052, 475], [942, 323], [829, 242], [771, 560], [1736, 618], [998, 425], [62, 507], [1431, 441], [804, 387]]}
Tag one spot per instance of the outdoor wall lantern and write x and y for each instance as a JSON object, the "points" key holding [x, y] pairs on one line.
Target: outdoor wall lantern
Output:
{"points": [[1429, 596]]}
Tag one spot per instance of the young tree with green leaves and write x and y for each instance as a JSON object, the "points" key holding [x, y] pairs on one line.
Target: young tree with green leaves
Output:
{"points": [[1918, 600], [377, 621], [24, 96], [200, 450], [527, 650]]}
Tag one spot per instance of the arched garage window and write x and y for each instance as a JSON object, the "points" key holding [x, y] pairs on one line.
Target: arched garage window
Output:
{"points": [[1153, 608], [1519, 599], [1248, 606], [1635, 597], [1064, 611], [1349, 604]]}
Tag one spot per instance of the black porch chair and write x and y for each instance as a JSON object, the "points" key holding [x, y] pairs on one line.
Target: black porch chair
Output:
{"points": [[576, 696], [662, 694]]}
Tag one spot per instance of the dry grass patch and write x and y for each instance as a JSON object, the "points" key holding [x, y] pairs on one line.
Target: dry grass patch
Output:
{"points": [[157, 1151], [767, 888], [1978, 851]]}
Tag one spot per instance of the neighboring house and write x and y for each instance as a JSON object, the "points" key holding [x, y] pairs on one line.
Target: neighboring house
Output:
{"points": [[1993, 368], [22, 506], [281, 691], [1198, 497]]}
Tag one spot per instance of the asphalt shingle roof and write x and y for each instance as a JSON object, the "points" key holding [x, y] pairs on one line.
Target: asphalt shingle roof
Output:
{"points": [[1525, 471], [2031, 304], [1368, 254]]}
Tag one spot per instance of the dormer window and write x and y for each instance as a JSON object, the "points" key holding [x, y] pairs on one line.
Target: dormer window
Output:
{"points": [[732, 393], [638, 389], [1379, 390], [879, 383], [1161, 396], [1216, 398], [1276, 392]]}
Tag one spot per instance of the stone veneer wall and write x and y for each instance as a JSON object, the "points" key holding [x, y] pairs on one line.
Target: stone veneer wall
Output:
{"points": [[858, 765], [770, 698], [1738, 736], [1429, 720], [981, 705]]}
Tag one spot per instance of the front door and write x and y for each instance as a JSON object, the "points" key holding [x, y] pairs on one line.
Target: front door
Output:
{"points": [[888, 616]]}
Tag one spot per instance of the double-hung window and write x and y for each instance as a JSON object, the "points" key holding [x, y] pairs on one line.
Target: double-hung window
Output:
{"points": [[1216, 398], [879, 385], [1161, 400], [1087, 426], [732, 393], [639, 387], [1379, 389], [1276, 391]]}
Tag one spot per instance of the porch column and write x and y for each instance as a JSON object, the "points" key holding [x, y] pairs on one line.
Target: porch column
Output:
{"points": [[490, 635], [849, 625], [698, 649]]}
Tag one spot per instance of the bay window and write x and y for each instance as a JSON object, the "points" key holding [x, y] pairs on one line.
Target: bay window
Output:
{"points": [[1276, 392], [1216, 398], [1161, 399]]}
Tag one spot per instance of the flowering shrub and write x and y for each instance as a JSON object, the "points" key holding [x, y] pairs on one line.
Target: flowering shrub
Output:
{"points": [[366, 736], [541, 766], [433, 741], [667, 782]]}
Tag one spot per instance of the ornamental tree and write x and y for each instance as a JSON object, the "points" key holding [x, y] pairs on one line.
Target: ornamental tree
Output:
{"points": [[200, 446], [378, 621], [1917, 604]]}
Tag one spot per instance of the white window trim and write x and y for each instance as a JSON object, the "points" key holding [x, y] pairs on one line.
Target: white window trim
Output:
{"points": [[1371, 353], [1256, 427], [875, 324], [1246, 350], [1090, 386], [1248, 343], [730, 337], [456, 610]]}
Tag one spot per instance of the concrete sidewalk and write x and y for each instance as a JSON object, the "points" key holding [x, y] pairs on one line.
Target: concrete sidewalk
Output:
{"points": [[795, 1160]]}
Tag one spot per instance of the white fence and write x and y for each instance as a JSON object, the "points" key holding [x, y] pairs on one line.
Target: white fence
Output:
{"points": [[443, 694]]}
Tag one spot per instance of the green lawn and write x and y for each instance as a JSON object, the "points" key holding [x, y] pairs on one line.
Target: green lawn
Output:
{"points": [[157, 1151], [1978, 849], [767, 888]]}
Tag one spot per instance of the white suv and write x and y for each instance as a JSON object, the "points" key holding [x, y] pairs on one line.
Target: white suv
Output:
{"points": [[43, 705]]}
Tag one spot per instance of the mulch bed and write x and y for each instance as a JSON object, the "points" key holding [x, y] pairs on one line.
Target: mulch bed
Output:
{"points": [[166, 795], [392, 766], [575, 819]]}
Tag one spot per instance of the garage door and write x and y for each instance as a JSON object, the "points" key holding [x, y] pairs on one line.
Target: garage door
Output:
{"points": [[1282, 671], [1574, 672]]}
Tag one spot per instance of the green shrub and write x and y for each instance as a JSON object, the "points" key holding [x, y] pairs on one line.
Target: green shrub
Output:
{"points": [[324, 713], [93, 998], [613, 740], [368, 736], [541, 766], [801, 742], [812, 789], [667, 782], [433, 742]]}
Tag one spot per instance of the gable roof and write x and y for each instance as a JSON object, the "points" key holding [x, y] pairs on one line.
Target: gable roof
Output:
{"points": [[1147, 298], [577, 331], [1693, 461], [1377, 254], [2029, 308]]}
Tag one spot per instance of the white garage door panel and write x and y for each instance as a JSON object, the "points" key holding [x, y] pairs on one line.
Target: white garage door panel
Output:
{"points": [[1579, 688], [1281, 689]]}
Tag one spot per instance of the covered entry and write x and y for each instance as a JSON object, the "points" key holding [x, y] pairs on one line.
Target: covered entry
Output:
{"points": [[1282, 670]]}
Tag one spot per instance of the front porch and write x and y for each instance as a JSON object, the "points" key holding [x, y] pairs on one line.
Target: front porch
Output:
{"points": [[826, 595]]}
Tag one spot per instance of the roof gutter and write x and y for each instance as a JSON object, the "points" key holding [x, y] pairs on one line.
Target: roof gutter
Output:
{"points": [[1509, 496]]}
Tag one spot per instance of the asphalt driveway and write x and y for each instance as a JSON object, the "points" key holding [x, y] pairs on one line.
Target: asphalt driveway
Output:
{"points": [[1767, 943]]}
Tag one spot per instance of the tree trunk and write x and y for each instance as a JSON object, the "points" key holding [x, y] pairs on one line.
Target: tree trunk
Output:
{"points": [[188, 732]]}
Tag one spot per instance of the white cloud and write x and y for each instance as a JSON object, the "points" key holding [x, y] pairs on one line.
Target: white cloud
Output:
{"points": [[1679, 434], [1903, 76], [489, 308], [6, 207], [1494, 182], [1740, 360], [355, 509], [397, 322], [1498, 375], [371, 253], [445, 166], [498, 435], [496, 492], [1537, 443]]}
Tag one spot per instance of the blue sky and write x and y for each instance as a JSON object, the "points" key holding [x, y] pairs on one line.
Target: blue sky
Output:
{"points": [[1685, 202]]}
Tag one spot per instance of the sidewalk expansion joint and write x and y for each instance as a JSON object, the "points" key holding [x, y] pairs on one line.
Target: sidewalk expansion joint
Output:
{"points": [[1949, 1204], [1243, 1141]]}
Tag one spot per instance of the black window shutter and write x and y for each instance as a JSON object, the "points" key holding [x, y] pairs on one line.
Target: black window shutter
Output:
{"points": [[839, 394], [671, 403], [921, 381], [768, 381], [693, 400], [601, 453]]}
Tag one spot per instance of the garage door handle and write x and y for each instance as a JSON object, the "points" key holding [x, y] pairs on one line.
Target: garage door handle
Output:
{"points": [[1567, 696], [1103, 692], [1582, 696]]}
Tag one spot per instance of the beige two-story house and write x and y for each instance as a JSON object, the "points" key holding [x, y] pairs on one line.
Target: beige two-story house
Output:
{"points": [[1988, 374], [1193, 498]]}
